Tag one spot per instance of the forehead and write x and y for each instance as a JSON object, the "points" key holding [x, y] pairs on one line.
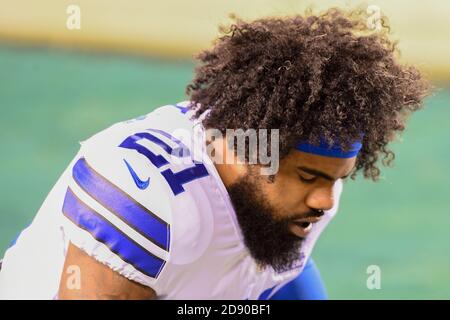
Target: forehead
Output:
{"points": [[332, 166]]}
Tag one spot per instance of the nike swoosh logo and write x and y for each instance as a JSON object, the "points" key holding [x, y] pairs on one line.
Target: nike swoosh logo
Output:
{"points": [[141, 184]]}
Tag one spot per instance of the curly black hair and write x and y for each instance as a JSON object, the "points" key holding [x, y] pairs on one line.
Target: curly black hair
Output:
{"points": [[327, 76]]}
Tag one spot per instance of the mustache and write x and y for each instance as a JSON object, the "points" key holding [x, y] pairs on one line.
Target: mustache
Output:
{"points": [[313, 213]]}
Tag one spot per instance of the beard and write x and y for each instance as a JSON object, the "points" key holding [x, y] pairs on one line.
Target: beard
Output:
{"points": [[267, 238]]}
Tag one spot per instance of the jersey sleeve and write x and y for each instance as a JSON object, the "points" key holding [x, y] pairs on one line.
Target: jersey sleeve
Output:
{"points": [[115, 209]]}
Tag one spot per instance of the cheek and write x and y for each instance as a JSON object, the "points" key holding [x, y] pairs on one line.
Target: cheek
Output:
{"points": [[287, 194]]}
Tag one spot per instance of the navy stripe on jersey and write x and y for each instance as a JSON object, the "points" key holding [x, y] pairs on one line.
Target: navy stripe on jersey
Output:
{"points": [[122, 205], [102, 230], [266, 294]]}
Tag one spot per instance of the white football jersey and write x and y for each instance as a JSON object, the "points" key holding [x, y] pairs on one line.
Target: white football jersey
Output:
{"points": [[144, 198]]}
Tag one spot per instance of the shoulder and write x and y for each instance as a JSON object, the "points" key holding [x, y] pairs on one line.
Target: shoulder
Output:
{"points": [[126, 204]]}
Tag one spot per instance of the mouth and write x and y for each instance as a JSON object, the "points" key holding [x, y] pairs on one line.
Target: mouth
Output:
{"points": [[302, 227]]}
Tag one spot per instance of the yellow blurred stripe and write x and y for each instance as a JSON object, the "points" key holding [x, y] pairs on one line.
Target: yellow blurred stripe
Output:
{"points": [[179, 28]]}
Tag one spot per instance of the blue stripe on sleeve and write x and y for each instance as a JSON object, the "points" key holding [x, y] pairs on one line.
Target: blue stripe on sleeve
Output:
{"points": [[102, 230], [122, 205]]}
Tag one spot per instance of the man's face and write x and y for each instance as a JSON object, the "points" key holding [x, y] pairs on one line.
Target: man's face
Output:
{"points": [[275, 216]]}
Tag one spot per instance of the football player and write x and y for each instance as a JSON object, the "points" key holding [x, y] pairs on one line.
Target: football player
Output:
{"points": [[144, 211]]}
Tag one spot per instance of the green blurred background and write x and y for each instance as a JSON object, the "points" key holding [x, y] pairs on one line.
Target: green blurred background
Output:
{"points": [[55, 92]]}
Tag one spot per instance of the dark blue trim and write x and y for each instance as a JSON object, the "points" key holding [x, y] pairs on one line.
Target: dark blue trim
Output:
{"points": [[122, 205], [102, 230]]}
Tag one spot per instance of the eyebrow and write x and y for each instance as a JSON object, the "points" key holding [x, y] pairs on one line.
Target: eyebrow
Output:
{"points": [[320, 173]]}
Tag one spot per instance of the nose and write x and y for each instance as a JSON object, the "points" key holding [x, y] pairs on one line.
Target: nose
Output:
{"points": [[320, 199], [318, 213]]}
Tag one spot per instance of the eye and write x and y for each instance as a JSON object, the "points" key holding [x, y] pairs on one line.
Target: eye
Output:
{"points": [[307, 179]]}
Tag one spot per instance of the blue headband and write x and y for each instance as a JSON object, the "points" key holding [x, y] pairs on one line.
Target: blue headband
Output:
{"points": [[323, 149]]}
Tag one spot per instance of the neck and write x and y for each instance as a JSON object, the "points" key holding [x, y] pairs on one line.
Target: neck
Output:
{"points": [[226, 162]]}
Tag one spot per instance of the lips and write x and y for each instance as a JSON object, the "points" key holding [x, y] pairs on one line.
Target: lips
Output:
{"points": [[302, 227], [309, 219]]}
